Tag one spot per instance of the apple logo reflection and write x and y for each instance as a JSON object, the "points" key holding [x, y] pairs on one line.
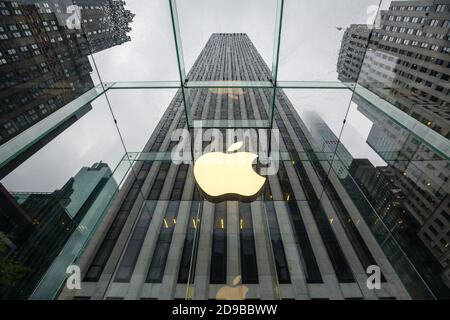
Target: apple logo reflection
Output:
{"points": [[235, 292]]}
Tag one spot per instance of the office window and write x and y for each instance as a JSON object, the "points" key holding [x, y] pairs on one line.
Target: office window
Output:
{"points": [[193, 224], [277, 244], [107, 246], [159, 181], [304, 247], [134, 246], [159, 257], [440, 8], [249, 269], [218, 272]]}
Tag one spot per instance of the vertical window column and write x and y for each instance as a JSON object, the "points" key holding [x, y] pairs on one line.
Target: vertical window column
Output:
{"points": [[277, 242], [159, 258], [249, 270], [193, 222], [218, 272]]}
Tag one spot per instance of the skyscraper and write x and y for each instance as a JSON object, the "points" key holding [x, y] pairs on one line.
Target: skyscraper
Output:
{"points": [[421, 175], [407, 61], [304, 238], [44, 59], [36, 226], [405, 58]]}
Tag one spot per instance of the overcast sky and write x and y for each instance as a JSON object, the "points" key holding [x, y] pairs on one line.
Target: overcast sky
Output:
{"points": [[309, 51]]}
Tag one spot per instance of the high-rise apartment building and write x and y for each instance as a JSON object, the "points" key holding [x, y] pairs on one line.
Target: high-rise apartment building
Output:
{"points": [[405, 58], [106, 23], [304, 238], [44, 59]]}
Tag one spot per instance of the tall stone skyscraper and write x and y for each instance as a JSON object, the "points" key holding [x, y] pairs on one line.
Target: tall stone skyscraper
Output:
{"points": [[304, 238]]}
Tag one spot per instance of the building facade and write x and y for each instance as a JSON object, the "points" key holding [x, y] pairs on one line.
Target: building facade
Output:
{"points": [[303, 238], [405, 58], [422, 176], [44, 61], [37, 226], [329, 144]]}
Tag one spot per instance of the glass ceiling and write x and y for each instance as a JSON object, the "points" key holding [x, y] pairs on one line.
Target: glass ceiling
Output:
{"points": [[133, 83]]}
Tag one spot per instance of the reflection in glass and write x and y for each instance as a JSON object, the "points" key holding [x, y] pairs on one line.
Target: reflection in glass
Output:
{"points": [[36, 226], [218, 273]]}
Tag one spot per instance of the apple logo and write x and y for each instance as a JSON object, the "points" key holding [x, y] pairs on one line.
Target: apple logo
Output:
{"points": [[228, 176], [233, 293]]}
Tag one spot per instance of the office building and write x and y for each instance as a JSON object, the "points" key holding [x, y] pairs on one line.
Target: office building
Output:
{"points": [[420, 174], [44, 61], [314, 243], [37, 226], [329, 144], [405, 58]]}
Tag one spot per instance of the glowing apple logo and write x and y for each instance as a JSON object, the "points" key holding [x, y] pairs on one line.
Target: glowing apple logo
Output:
{"points": [[228, 176], [233, 293]]}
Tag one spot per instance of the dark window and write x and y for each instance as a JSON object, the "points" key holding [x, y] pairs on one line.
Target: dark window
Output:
{"points": [[134, 246], [219, 245], [159, 258], [301, 236], [158, 264], [102, 255], [277, 244], [193, 224], [249, 269]]}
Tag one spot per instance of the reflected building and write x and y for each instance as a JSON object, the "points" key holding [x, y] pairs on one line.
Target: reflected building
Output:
{"points": [[44, 61], [421, 174], [36, 226], [407, 60], [383, 194], [352, 52], [329, 144], [302, 239]]}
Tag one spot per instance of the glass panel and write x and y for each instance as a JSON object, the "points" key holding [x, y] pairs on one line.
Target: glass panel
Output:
{"points": [[143, 85], [359, 144], [309, 49], [56, 274], [401, 96], [321, 118], [400, 187], [407, 62], [44, 62], [202, 23], [277, 40], [145, 37], [138, 120], [234, 107], [229, 84], [49, 126], [53, 198]]}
